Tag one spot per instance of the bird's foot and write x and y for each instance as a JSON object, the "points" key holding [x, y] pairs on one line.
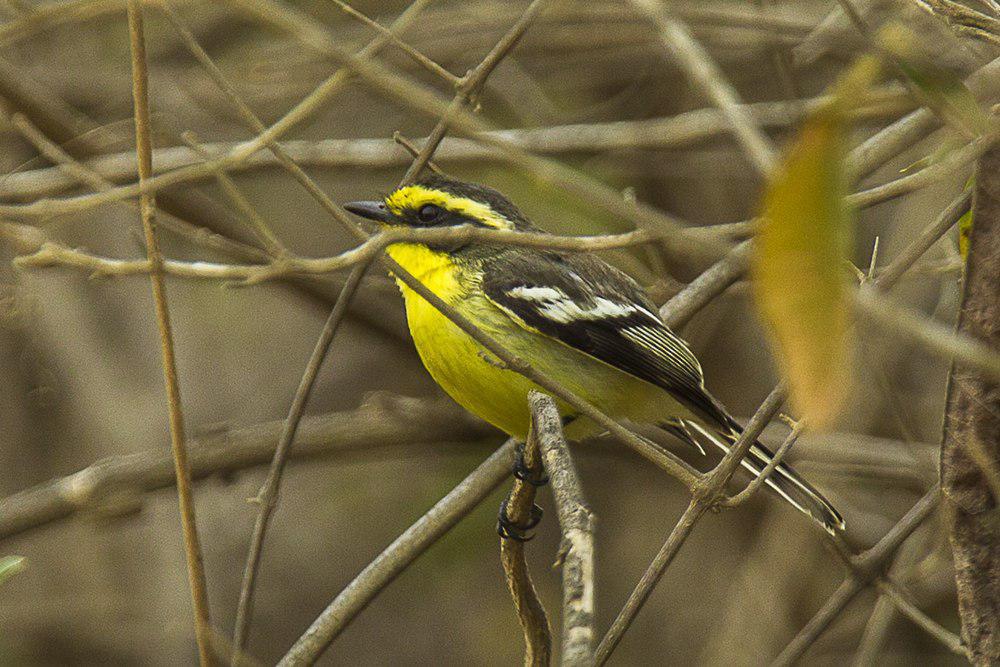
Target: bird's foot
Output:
{"points": [[511, 530]]}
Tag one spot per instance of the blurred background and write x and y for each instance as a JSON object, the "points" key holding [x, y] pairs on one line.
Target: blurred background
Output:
{"points": [[80, 375]]}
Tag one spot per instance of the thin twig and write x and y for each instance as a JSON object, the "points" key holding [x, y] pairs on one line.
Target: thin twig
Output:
{"points": [[702, 70], [410, 93], [924, 240], [267, 238], [185, 495], [757, 482], [415, 55], [709, 284], [519, 508], [470, 86], [865, 567], [576, 522], [54, 254], [267, 497], [412, 149], [397, 556], [948, 167], [934, 336], [706, 493], [907, 608], [879, 620], [892, 140], [32, 242]]}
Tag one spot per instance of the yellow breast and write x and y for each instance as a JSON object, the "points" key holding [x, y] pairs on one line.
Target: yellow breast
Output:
{"points": [[431, 267], [465, 370], [474, 378]]}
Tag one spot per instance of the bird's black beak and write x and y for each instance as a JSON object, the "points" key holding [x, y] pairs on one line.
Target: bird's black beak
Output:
{"points": [[373, 210]]}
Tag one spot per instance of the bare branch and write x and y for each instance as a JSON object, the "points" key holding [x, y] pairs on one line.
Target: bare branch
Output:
{"points": [[924, 240], [54, 254], [470, 85], [682, 130], [705, 494], [865, 567], [906, 607], [411, 94], [382, 422], [415, 55], [894, 139], [577, 524], [262, 230], [267, 497], [934, 336], [519, 508], [147, 207], [709, 284]]}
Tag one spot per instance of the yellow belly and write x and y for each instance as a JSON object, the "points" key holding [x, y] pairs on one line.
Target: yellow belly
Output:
{"points": [[477, 381]]}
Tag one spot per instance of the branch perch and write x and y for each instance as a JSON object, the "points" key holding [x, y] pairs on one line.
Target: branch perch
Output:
{"points": [[970, 449], [577, 524], [520, 508]]}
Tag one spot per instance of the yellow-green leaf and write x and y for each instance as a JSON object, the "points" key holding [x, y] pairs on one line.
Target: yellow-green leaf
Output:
{"points": [[964, 231], [9, 566], [798, 263]]}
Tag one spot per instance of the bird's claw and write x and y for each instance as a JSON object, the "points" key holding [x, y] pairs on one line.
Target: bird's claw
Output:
{"points": [[511, 530], [524, 473]]}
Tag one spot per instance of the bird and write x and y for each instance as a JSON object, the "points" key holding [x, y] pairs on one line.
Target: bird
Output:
{"points": [[573, 316]]}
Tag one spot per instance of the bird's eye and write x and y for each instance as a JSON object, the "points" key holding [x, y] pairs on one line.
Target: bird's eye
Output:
{"points": [[428, 213]]}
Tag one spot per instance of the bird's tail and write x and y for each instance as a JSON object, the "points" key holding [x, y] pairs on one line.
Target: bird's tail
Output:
{"points": [[784, 480]]}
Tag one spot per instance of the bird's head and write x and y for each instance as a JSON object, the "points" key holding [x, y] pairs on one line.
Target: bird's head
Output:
{"points": [[436, 201]]}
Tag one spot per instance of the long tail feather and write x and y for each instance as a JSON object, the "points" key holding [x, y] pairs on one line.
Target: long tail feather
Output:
{"points": [[784, 480]]}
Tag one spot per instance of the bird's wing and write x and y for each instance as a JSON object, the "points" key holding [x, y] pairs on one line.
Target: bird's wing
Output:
{"points": [[596, 309], [589, 305]]}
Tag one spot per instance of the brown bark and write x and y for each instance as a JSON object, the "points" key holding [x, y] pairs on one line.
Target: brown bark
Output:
{"points": [[972, 432]]}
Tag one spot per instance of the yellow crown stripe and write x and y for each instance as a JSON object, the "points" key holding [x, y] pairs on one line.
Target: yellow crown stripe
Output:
{"points": [[412, 197]]}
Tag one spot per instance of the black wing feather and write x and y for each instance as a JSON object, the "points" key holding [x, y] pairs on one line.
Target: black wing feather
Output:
{"points": [[630, 337], [596, 309]]}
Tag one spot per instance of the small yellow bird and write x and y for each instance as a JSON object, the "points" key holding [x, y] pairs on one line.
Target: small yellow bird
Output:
{"points": [[574, 317]]}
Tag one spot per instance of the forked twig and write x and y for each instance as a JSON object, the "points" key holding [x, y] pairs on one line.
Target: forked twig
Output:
{"points": [[470, 85], [397, 556], [705, 494], [865, 567]]}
